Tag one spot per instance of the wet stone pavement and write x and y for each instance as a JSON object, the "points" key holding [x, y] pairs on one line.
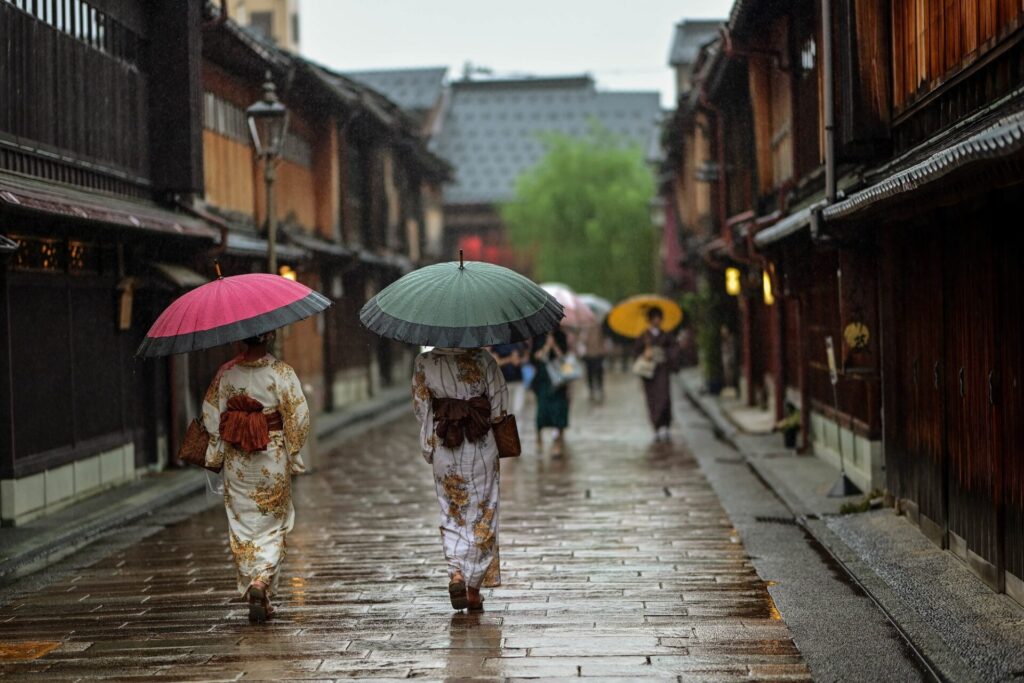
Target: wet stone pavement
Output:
{"points": [[618, 562]]}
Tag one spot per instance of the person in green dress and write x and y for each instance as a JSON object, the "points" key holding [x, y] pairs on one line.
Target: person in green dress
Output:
{"points": [[552, 401]]}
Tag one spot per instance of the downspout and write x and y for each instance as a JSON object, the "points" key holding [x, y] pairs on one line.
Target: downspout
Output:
{"points": [[829, 85]]}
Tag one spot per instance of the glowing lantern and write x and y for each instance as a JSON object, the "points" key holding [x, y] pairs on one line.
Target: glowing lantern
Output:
{"points": [[732, 281]]}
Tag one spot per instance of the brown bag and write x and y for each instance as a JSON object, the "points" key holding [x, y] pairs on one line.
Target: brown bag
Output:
{"points": [[506, 437], [193, 446]]}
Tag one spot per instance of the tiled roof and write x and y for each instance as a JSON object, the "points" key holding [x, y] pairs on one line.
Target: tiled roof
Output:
{"points": [[493, 129], [691, 35], [414, 90]]}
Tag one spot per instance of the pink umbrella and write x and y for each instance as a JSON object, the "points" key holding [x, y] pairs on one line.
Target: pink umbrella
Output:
{"points": [[229, 309], [577, 313]]}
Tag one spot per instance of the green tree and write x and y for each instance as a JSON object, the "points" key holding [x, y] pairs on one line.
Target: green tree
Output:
{"points": [[582, 216]]}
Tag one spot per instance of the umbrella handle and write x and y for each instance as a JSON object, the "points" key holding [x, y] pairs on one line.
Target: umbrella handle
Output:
{"points": [[461, 264]]}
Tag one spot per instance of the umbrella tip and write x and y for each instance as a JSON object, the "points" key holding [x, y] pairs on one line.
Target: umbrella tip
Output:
{"points": [[461, 263], [216, 266]]}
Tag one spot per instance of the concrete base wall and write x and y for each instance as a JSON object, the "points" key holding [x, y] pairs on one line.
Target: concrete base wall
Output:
{"points": [[350, 386], [27, 498], [863, 458]]}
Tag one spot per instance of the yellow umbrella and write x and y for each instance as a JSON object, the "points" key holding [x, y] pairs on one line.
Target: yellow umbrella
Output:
{"points": [[629, 317]]}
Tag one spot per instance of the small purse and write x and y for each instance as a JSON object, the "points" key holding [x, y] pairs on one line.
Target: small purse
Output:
{"points": [[506, 437], [644, 367], [193, 446]]}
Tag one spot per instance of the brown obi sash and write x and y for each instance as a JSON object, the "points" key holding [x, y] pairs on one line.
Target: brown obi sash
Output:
{"points": [[245, 426], [461, 419]]}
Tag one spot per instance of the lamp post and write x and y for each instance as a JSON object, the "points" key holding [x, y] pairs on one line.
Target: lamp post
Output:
{"points": [[268, 121]]}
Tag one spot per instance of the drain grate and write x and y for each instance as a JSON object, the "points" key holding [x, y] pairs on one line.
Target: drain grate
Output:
{"points": [[775, 520]]}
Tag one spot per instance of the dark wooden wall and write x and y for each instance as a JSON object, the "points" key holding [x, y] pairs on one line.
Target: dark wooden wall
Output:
{"points": [[953, 314]]}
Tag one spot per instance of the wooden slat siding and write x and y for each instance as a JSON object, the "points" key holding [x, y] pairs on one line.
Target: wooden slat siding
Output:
{"points": [[932, 40], [858, 400], [971, 420], [1011, 390], [64, 84], [781, 105], [759, 75], [295, 189], [229, 174], [922, 267], [864, 83], [805, 23]]}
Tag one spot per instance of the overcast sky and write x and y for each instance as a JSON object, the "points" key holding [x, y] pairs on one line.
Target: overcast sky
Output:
{"points": [[623, 43]]}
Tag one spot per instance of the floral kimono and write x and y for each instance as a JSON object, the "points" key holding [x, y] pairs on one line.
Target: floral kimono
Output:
{"points": [[257, 483], [466, 476]]}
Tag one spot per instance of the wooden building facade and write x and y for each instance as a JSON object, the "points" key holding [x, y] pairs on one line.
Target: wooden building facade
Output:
{"points": [[910, 264], [126, 168]]}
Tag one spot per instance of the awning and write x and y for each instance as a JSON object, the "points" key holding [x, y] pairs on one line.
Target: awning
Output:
{"points": [[321, 246], [183, 277], [1002, 139], [61, 200], [400, 263], [240, 244], [790, 225]]}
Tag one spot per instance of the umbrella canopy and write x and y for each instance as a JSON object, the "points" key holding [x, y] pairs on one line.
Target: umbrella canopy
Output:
{"points": [[229, 309], [629, 317], [598, 306], [461, 306], [577, 313]]}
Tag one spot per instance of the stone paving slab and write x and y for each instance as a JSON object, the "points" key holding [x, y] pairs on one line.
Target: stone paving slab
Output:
{"points": [[619, 563]]}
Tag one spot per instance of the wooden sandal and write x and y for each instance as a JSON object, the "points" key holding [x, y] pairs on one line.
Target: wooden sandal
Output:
{"points": [[457, 593], [259, 606]]}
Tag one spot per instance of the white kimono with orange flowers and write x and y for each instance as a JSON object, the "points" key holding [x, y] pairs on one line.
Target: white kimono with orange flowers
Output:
{"points": [[258, 484], [467, 477]]}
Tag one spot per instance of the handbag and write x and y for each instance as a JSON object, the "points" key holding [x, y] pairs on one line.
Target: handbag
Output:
{"points": [[506, 437], [193, 447], [644, 367], [564, 370]]}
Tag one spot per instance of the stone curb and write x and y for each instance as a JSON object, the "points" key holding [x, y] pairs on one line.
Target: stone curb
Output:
{"points": [[922, 638], [58, 541]]}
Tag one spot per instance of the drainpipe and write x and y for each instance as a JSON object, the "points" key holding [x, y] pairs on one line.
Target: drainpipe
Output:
{"points": [[829, 85]]}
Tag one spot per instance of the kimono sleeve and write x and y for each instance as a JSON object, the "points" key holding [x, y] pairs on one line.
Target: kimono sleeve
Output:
{"points": [[294, 417], [497, 389], [211, 408], [421, 399]]}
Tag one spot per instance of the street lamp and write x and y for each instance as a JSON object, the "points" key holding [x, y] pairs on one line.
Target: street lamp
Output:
{"points": [[268, 121]]}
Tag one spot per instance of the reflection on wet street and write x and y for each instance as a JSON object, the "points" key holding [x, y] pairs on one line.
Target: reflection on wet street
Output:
{"points": [[617, 560]]}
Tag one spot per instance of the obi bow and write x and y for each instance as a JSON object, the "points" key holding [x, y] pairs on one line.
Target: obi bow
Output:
{"points": [[461, 419], [243, 424]]}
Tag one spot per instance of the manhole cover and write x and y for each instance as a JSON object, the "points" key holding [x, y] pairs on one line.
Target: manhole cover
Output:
{"points": [[26, 651]]}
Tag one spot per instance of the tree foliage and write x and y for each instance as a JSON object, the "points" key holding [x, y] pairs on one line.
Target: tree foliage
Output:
{"points": [[582, 216]]}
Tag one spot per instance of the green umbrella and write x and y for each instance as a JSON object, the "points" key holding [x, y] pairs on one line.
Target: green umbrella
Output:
{"points": [[460, 305]]}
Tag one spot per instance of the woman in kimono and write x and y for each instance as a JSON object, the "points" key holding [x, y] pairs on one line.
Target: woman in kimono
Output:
{"points": [[257, 418], [552, 401], [457, 395], [654, 344]]}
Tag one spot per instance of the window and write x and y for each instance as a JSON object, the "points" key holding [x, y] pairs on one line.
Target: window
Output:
{"points": [[262, 24]]}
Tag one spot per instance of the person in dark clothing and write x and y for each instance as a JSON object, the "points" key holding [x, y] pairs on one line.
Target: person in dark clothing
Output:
{"points": [[654, 344], [511, 358], [552, 401]]}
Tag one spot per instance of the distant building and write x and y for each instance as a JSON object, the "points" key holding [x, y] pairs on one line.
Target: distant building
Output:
{"points": [[691, 35], [420, 92], [275, 20], [492, 131]]}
